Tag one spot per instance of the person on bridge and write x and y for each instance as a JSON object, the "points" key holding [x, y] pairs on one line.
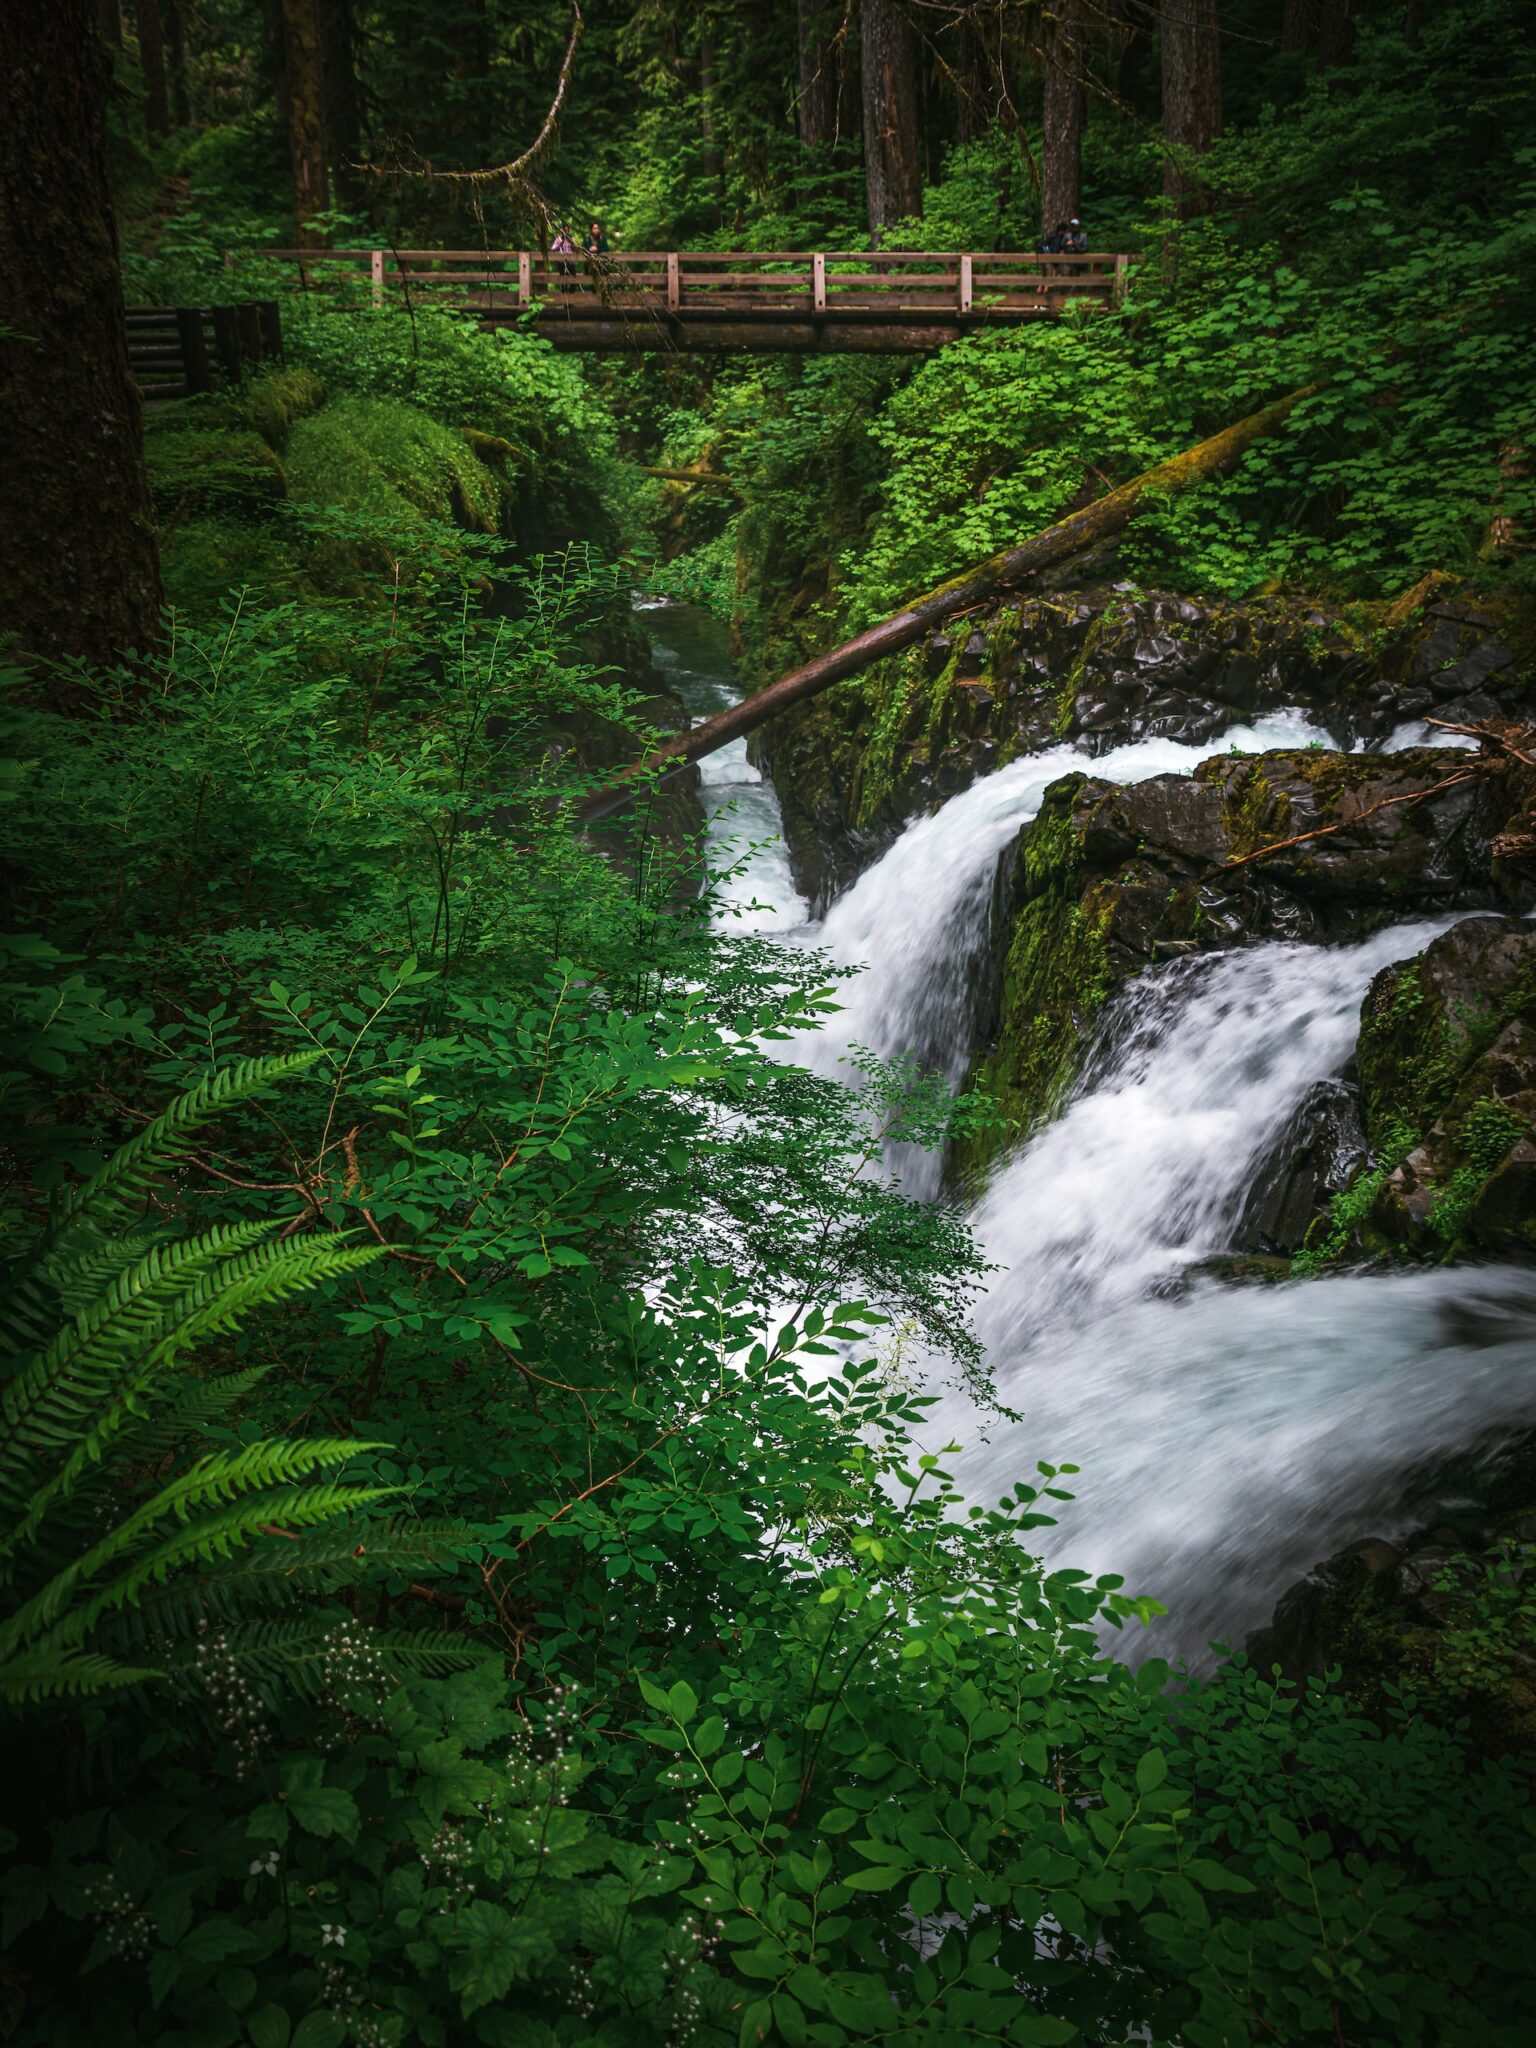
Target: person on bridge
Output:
{"points": [[563, 246], [1076, 239], [597, 241], [1053, 243]]}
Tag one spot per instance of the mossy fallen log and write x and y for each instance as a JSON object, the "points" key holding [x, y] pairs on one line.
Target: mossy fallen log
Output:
{"points": [[1003, 572]]}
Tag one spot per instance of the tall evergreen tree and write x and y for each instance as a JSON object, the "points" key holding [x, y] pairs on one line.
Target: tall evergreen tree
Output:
{"points": [[157, 106], [1191, 39], [80, 572], [1065, 107], [306, 117], [816, 108], [892, 153], [342, 103]]}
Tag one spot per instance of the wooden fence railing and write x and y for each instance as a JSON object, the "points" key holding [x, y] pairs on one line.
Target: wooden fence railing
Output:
{"points": [[789, 285], [176, 351]]}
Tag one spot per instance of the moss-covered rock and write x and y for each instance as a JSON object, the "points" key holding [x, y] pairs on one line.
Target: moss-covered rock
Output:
{"points": [[204, 469], [391, 463], [1104, 666], [270, 404], [1447, 1059], [1107, 881]]}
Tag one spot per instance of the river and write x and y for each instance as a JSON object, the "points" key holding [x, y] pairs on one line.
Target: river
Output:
{"points": [[1227, 1437]]}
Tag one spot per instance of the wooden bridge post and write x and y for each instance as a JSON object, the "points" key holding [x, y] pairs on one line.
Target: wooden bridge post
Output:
{"points": [[376, 265], [195, 366], [1122, 275], [819, 283], [226, 339], [966, 291], [674, 283], [524, 278], [251, 345]]}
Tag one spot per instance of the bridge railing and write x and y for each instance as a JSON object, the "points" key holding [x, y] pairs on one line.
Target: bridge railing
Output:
{"points": [[892, 283]]}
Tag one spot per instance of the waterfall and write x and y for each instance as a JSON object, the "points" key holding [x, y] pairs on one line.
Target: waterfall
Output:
{"points": [[744, 825], [917, 921], [1227, 1438]]}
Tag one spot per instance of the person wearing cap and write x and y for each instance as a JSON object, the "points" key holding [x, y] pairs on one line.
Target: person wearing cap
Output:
{"points": [[1075, 241]]}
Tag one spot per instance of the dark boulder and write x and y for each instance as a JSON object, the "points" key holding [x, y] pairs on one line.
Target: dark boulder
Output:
{"points": [[1313, 1158], [1447, 1059], [1107, 880]]}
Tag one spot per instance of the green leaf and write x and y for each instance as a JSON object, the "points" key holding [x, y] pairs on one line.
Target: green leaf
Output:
{"points": [[682, 1703], [269, 2028], [1151, 1771]]}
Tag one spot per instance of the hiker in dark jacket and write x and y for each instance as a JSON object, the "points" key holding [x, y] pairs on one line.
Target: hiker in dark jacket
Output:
{"points": [[1053, 243], [597, 241], [1075, 241]]}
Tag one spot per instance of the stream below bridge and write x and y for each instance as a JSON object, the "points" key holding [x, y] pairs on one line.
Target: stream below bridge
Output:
{"points": [[1227, 1437]]}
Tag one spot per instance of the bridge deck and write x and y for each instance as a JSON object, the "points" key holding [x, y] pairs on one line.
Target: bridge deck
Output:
{"points": [[895, 301]]}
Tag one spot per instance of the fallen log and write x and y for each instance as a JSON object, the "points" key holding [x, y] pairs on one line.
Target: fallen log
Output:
{"points": [[1002, 573], [689, 476]]}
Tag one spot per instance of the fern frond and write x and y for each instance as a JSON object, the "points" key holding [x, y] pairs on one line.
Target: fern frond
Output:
{"points": [[107, 1323], [215, 1304], [43, 1674], [109, 1194], [191, 1407], [212, 1505]]}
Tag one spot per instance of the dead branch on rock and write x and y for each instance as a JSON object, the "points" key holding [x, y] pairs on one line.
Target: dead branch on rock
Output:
{"points": [[1502, 737], [1413, 796]]}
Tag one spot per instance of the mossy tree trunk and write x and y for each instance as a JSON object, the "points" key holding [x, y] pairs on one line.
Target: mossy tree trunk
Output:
{"points": [[306, 117], [1066, 106], [816, 110], [157, 106], [343, 111], [80, 572], [991, 579], [1191, 38], [892, 153]]}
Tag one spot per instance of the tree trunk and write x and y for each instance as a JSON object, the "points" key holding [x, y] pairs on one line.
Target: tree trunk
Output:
{"points": [[1066, 107], [1191, 33], [1323, 29], [816, 110], [80, 572], [112, 22], [972, 83], [714, 166], [306, 117], [992, 579], [891, 154], [343, 117], [176, 62], [157, 110]]}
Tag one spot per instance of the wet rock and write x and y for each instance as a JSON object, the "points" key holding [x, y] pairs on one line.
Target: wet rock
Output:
{"points": [[1312, 1159], [1447, 1060], [1108, 880]]}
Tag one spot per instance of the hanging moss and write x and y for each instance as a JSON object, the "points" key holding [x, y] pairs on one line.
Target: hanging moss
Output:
{"points": [[392, 463]]}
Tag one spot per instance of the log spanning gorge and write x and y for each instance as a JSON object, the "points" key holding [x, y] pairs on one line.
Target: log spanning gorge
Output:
{"points": [[1229, 1434]]}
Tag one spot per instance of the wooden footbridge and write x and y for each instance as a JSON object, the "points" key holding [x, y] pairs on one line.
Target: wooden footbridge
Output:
{"points": [[796, 302]]}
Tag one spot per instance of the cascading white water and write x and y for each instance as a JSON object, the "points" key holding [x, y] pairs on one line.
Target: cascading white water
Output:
{"points": [[917, 921], [1228, 1437], [1199, 1064], [743, 822]]}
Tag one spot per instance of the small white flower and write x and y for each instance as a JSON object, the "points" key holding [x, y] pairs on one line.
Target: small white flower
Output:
{"points": [[331, 1933], [265, 1866]]}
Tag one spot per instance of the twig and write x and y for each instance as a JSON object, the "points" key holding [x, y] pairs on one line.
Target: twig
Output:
{"points": [[1490, 737], [1415, 796]]}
